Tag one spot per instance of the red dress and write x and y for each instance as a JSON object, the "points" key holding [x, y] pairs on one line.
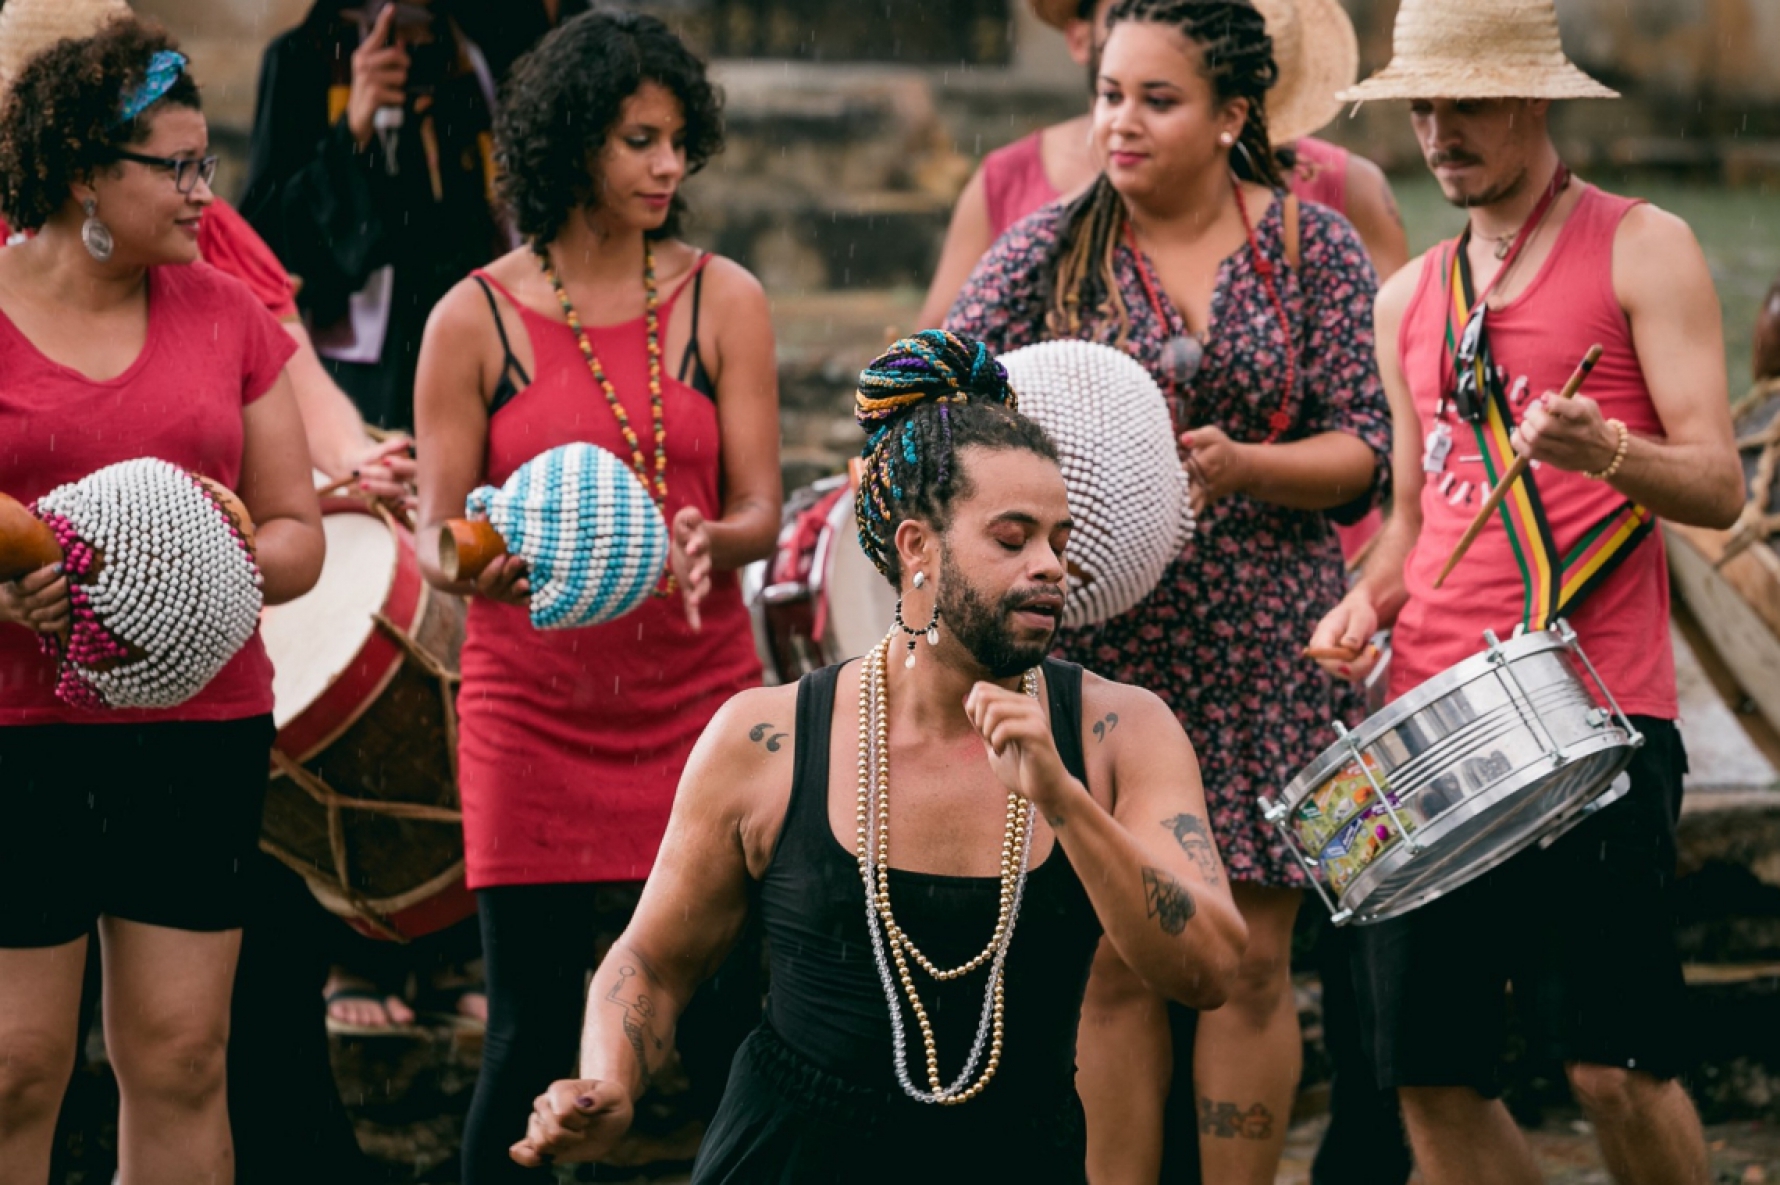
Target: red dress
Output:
{"points": [[571, 742]]}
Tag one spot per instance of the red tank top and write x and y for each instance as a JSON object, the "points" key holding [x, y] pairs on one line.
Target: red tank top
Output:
{"points": [[571, 742], [1537, 338], [1014, 182], [1320, 174]]}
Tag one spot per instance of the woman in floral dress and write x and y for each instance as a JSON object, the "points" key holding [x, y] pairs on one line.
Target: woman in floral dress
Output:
{"points": [[1178, 255]]}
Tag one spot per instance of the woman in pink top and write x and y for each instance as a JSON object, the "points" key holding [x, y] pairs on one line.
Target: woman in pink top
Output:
{"points": [[140, 821]]}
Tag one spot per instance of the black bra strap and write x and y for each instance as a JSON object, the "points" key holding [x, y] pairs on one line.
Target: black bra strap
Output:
{"points": [[690, 358], [510, 366]]}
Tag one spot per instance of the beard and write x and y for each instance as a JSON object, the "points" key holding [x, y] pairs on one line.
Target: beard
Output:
{"points": [[984, 628], [1491, 195]]}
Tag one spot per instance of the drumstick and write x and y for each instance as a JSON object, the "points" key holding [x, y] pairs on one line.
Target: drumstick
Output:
{"points": [[334, 487], [1513, 475], [1338, 653]]}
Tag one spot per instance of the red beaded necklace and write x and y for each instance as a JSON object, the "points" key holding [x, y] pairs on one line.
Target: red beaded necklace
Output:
{"points": [[1281, 419]]}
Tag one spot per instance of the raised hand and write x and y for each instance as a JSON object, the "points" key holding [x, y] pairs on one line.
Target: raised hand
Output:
{"points": [[690, 560], [379, 76], [1017, 736], [1217, 465]]}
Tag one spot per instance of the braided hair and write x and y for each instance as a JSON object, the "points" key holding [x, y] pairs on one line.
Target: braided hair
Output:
{"points": [[1236, 57], [923, 402]]}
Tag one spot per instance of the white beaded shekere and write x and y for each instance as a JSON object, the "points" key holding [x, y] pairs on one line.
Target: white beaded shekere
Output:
{"points": [[890, 942], [591, 535], [1127, 488], [162, 585]]}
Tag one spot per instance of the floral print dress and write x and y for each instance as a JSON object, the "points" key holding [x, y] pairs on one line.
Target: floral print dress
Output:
{"points": [[1220, 638]]}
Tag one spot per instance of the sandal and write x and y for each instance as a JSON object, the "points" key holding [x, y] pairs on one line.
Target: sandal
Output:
{"points": [[359, 990]]}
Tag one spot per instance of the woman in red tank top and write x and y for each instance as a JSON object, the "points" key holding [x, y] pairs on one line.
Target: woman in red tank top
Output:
{"points": [[571, 742]]}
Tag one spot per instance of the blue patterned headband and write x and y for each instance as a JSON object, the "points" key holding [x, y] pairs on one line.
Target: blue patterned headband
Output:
{"points": [[163, 71]]}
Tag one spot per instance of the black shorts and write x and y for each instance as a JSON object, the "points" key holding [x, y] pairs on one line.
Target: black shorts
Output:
{"points": [[1584, 931], [152, 823]]}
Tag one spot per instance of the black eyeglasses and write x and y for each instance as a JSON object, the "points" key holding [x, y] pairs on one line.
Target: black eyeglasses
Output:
{"points": [[187, 171]]}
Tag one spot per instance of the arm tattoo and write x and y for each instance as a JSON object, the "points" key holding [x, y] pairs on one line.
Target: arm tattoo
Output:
{"points": [[1104, 726], [639, 1014], [1228, 1121], [1194, 839], [1171, 905], [765, 734]]}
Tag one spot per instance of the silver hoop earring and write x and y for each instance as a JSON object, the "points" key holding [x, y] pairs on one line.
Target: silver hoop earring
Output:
{"points": [[931, 630], [1253, 172], [95, 235]]}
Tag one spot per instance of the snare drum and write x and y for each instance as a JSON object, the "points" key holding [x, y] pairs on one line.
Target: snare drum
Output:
{"points": [[1507, 749], [819, 600], [363, 798]]}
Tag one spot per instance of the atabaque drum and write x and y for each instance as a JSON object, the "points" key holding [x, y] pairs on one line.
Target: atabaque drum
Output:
{"points": [[818, 600], [363, 798], [1507, 749]]}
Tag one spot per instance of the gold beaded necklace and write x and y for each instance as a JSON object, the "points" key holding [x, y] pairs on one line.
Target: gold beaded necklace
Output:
{"points": [[874, 726], [656, 482]]}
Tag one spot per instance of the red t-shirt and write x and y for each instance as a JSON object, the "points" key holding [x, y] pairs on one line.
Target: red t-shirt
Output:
{"points": [[229, 244], [211, 350], [1538, 338]]}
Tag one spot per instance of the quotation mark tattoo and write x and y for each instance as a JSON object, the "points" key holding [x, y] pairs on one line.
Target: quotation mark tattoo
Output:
{"points": [[764, 732], [1171, 905], [1194, 838], [1102, 727], [1228, 1121], [639, 1012]]}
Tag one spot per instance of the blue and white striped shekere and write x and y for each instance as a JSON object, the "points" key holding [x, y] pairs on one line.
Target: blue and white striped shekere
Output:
{"points": [[590, 533]]}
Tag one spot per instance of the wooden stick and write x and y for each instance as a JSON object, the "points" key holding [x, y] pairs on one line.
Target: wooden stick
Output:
{"points": [[334, 487], [1513, 475], [1339, 653]]}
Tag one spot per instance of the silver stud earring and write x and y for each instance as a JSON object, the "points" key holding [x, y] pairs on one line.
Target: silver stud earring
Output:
{"points": [[920, 580], [95, 235], [1226, 139]]}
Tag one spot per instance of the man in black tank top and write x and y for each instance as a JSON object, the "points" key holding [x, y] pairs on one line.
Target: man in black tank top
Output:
{"points": [[1032, 806]]}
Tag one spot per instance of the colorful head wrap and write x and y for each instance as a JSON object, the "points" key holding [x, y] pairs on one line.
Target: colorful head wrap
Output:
{"points": [[164, 69]]}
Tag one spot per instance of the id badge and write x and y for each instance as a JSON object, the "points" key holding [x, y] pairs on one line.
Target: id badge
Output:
{"points": [[1436, 448]]}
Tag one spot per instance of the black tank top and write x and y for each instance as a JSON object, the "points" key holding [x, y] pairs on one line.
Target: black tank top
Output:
{"points": [[826, 1001]]}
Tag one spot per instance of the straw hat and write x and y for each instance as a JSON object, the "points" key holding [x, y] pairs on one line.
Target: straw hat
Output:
{"points": [[1318, 54], [1056, 13], [1478, 49], [28, 27]]}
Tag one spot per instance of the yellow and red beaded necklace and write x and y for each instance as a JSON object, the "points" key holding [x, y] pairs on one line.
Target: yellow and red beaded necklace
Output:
{"points": [[655, 482]]}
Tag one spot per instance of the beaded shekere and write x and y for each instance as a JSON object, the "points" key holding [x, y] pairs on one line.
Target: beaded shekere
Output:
{"points": [[588, 530], [1127, 488], [162, 585]]}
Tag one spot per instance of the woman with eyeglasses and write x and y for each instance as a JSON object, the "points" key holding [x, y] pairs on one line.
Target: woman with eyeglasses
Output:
{"points": [[1254, 313], [113, 347]]}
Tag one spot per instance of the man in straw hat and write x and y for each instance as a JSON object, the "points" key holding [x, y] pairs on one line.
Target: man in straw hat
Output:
{"points": [[1056, 161], [1550, 265]]}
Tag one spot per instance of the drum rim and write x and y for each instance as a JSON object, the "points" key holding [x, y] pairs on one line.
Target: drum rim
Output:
{"points": [[1339, 754], [1389, 863]]}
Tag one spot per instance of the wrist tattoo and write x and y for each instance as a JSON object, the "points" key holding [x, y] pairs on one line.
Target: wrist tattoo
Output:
{"points": [[638, 1007], [1228, 1121], [766, 734], [1104, 726], [1164, 900], [1194, 838]]}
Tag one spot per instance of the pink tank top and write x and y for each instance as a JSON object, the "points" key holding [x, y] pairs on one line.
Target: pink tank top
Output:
{"points": [[1014, 182], [1320, 174], [1537, 338]]}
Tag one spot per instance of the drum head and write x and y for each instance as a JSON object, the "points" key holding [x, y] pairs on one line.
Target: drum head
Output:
{"points": [[861, 603], [313, 639]]}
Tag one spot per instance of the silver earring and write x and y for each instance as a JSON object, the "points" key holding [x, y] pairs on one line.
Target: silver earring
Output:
{"points": [[95, 235], [1226, 139], [920, 580]]}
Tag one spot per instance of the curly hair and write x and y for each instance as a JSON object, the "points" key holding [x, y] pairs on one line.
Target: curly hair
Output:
{"points": [[563, 99], [1237, 58], [922, 402], [59, 123]]}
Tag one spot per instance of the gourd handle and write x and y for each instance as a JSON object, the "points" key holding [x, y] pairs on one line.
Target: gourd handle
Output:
{"points": [[466, 546], [26, 543]]}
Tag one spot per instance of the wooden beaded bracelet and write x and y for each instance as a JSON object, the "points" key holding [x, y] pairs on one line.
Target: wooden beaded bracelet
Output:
{"points": [[1625, 443]]}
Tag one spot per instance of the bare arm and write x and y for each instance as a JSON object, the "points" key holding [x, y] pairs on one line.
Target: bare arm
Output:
{"points": [[1161, 897], [1325, 471], [747, 379], [1692, 475], [333, 425], [968, 238], [279, 492], [1372, 208], [651, 972], [1378, 596]]}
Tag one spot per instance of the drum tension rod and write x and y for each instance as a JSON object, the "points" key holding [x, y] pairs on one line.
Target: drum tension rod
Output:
{"points": [[1523, 702], [1276, 814], [1566, 635]]}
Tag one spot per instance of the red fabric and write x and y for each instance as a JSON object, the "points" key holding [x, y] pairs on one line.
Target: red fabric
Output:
{"points": [[1542, 334], [571, 742], [1320, 174], [211, 350], [1014, 182], [227, 243]]}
